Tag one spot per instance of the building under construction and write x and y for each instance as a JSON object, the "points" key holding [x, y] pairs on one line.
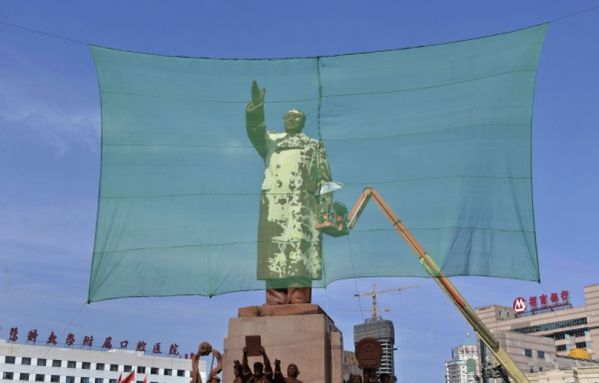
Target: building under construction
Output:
{"points": [[380, 329], [383, 331]]}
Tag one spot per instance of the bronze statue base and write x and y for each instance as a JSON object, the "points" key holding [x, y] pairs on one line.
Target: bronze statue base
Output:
{"points": [[290, 295]]}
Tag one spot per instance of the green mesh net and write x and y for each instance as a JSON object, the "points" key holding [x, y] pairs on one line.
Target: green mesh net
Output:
{"points": [[207, 187]]}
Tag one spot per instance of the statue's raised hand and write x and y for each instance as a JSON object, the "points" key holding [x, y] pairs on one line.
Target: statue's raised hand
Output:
{"points": [[257, 93]]}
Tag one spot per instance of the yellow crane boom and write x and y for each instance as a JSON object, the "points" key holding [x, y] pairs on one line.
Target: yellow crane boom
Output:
{"points": [[444, 283]]}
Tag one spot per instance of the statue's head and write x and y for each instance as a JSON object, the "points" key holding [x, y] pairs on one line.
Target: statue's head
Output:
{"points": [[355, 379], [258, 368], [294, 121], [292, 371]]}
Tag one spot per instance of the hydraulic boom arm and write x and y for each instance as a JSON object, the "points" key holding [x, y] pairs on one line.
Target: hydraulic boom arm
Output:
{"points": [[444, 283]]}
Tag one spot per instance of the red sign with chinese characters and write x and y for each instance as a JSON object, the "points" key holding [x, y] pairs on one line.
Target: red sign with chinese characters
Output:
{"points": [[541, 302], [87, 342]]}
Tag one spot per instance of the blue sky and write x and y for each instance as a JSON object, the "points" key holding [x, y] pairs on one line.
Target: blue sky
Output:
{"points": [[50, 151]]}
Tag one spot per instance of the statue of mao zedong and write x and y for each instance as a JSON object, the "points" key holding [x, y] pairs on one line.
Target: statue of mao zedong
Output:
{"points": [[295, 169]]}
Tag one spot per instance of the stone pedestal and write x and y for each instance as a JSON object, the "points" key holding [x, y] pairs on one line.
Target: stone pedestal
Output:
{"points": [[302, 334]]}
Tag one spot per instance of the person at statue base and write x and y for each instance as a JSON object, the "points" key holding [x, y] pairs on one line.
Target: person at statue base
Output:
{"points": [[262, 372], [370, 375], [204, 349], [292, 373], [295, 171], [238, 372]]}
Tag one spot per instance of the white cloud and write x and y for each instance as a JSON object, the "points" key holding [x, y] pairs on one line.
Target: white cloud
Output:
{"points": [[59, 128], [51, 107]]}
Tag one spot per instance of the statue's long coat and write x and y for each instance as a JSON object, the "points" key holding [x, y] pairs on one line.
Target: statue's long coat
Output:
{"points": [[289, 246]]}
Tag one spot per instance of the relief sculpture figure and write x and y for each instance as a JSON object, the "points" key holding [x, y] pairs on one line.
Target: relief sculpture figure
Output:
{"points": [[292, 373]]}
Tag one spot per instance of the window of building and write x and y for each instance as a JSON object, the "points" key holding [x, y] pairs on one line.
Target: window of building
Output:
{"points": [[7, 375], [84, 379], [180, 372], [552, 326], [168, 372], [41, 362], [581, 344], [70, 379], [26, 361], [580, 333], [23, 376], [86, 365], [154, 371], [39, 377], [111, 380], [141, 370], [9, 359], [55, 378], [98, 380], [127, 368], [532, 369], [561, 347], [540, 369], [541, 354], [56, 363], [100, 366], [114, 367], [71, 364], [528, 352]]}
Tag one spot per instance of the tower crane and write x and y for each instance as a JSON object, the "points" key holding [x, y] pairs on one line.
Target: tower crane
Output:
{"points": [[372, 293]]}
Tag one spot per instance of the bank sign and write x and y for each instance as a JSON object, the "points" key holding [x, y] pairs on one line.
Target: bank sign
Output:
{"points": [[541, 303]]}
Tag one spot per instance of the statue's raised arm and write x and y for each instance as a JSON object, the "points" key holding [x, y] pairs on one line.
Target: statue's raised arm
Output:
{"points": [[257, 94], [254, 119]]}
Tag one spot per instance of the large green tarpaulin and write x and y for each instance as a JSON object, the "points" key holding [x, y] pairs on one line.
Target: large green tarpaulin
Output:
{"points": [[443, 132]]}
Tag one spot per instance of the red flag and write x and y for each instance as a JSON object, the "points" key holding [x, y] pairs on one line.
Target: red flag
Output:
{"points": [[130, 378], [120, 376], [146, 378]]}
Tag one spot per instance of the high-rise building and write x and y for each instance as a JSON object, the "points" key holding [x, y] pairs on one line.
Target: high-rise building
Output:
{"points": [[464, 366], [41, 363], [383, 331]]}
